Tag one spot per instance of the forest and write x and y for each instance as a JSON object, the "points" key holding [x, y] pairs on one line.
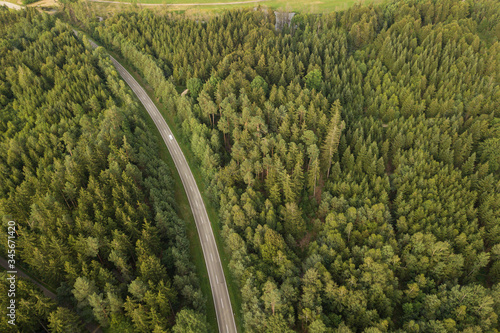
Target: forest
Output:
{"points": [[93, 202], [354, 156]]}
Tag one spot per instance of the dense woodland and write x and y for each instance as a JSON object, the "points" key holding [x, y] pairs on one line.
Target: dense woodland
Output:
{"points": [[94, 205], [354, 157]]}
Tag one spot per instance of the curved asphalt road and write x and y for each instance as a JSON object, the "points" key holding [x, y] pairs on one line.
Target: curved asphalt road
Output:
{"points": [[225, 317]]}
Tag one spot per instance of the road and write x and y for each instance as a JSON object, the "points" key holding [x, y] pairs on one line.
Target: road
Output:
{"points": [[182, 4], [223, 308], [20, 273], [91, 327], [10, 5]]}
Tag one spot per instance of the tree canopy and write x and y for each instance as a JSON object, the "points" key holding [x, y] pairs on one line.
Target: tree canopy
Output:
{"points": [[80, 174], [351, 155]]}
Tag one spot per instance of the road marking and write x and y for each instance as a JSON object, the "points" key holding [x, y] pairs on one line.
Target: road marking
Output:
{"points": [[227, 329], [206, 237], [222, 303], [211, 256], [217, 277]]}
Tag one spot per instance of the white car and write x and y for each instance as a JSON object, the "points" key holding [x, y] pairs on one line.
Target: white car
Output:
{"points": [[170, 137]]}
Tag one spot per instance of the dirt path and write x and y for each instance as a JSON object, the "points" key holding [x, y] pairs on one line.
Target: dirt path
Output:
{"points": [[20, 273], [91, 327], [183, 4], [10, 5]]}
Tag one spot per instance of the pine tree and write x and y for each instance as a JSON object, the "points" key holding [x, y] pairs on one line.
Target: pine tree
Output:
{"points": [[332, 139]]}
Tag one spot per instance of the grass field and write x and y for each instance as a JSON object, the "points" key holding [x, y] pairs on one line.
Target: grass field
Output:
{"points": [[309, 6]]}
